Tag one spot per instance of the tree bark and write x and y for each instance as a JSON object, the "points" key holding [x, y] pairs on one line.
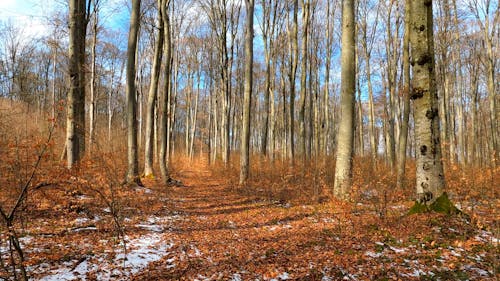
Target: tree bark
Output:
{"points": [[93, 94], [247, 94], [75, 118], [343, 167], [403, 136], [165, 101], [303, 80], [131, 92], [429, 172], [152, 96], [294, 53]]}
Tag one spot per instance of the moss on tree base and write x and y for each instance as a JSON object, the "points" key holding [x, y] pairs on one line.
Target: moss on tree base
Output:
{"points": [[442, 205]]}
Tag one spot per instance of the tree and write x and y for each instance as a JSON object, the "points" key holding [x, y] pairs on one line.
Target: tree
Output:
{"points": [[429, 172], [93, 75], [153, 89], [247, 92], [292, 74], [343, 166], [165, 101], [75, 116], [303, 79], [403, 136], [131, 92]]}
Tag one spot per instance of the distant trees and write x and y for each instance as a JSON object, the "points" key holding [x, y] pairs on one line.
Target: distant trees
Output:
{"points": [[190, 60]]}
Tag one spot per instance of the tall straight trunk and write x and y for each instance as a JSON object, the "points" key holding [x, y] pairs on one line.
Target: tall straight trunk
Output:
{"points": [[492, 95], [294, 53], [54, 72], [131, 92], [110, 108], [267, 89], [165, 101], [93, 75], [326, 96], [272, 114], [367, 39], [194, 118], [303, 80], [429, 171], [75, 116], [152, 96], [459, 94], [247, 94], [188, 113], [403, 136], [343, 167]]}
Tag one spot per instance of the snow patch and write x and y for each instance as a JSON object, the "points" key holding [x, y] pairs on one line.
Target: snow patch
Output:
{"points": [[141, 252]]}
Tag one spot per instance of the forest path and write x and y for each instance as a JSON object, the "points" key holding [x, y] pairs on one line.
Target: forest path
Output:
{"points": [[222, 234], [225, 235]]}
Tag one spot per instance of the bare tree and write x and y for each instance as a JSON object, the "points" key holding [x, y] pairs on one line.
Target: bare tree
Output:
{"points": [[429, 172], [75, 118], [152, 96], [165, 101], [247, 99], [133, 162], [343, 167], [403, 136]]}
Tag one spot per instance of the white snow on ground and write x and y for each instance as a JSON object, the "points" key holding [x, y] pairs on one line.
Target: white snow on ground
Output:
{"points": [[486, 236], [141, 251]]}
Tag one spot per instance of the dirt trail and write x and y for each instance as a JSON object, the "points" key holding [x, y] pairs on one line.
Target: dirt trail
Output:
{"points": [[221, 234]]}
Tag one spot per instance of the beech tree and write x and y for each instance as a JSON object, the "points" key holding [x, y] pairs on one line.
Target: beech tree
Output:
{"points": [[165, 99], [75, 115], [152, 96], [429, 171], [247, 92], [133, 164], [343, 166]]}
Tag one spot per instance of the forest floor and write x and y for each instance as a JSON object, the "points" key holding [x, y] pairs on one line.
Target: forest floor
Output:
{"points": [[204, 228]]}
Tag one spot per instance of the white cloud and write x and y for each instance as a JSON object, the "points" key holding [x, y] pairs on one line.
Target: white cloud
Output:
{"points": [[29, 16]]}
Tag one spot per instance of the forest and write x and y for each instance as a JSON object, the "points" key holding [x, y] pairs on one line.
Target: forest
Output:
{"points": [[250, 140]]}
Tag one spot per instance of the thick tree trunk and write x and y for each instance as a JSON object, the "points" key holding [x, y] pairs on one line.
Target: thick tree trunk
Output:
{"points": [[247, 94], [429, 172], [343, 167], [75, 118], [153, 90], [133, 164]]}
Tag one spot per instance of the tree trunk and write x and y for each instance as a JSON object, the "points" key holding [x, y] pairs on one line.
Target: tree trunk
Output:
{"points": [[303, 80], [133, 170], [153, 90], [429, 172], [294, 53], [403, 136], [343, 167], [93, 74], [75, 118], [247, 94], [164, 106]]}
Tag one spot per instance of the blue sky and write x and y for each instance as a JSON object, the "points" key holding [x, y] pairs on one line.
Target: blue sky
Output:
{"points": [[28, 15]]}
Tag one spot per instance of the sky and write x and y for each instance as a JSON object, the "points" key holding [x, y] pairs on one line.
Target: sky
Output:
{"points": [[29, 15]]}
